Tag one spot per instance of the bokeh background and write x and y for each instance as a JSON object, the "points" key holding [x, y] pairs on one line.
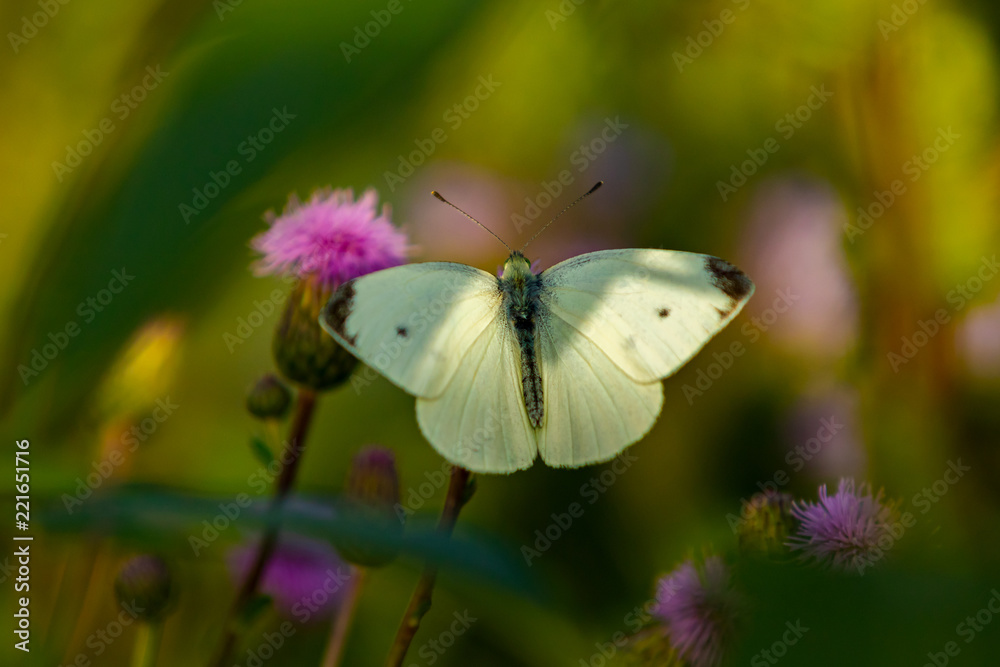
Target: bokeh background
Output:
{"points": [[843, 153]]}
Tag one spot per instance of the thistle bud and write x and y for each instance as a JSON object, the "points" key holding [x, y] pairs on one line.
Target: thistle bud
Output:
{"points": [[767, 523], [650, 647], [304, 352], [269, 398], [371, 496], [144, 582]]}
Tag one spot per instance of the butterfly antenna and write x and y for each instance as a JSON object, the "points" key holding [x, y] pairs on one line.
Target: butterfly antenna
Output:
{"points": [[438, 195], [578, 199]]}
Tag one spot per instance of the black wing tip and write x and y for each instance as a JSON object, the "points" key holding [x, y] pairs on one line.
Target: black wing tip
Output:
{"points": [[733, 282]]}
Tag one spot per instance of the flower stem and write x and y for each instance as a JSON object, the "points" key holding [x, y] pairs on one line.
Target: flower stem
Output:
{"points": [[293, 450], [343, 619], [272, 430], [147, 644], [420, 601]]}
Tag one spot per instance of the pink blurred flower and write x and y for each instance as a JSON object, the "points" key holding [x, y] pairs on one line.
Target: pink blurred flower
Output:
{"points": [[303, 574], [699, 611], [842, 531], [331, 236], [793, 248], [441, 233], [978, 340], [514, 211], [823, 433]]}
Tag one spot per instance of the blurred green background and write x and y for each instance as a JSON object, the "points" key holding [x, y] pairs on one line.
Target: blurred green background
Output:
{"points": [[844, 154]]}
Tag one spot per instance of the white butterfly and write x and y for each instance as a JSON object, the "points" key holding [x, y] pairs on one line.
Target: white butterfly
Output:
{"points": [[565, 364]]}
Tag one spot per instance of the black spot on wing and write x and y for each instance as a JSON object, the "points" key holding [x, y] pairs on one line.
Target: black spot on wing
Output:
{"points": [[663, 312], [723, 314], [728, 278], [339, 309], [402, 332]]}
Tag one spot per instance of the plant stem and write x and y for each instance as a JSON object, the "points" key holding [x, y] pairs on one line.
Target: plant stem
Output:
{"points": [[272, 430], [420, 601], [293, 450], [343, 619], [147, 644]]}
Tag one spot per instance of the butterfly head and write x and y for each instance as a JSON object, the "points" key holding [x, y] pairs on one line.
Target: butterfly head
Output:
{"points": [[517, 269]]}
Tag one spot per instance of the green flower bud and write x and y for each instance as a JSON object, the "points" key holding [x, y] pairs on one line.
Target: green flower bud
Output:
{"points": [[649, 647], [766, 523], [371, 497], [304, 352], [144, 583], [269, 398]]}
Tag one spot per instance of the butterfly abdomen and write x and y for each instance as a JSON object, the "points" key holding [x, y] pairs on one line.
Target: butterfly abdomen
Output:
{"points": [[520, 289], [531, 379]]}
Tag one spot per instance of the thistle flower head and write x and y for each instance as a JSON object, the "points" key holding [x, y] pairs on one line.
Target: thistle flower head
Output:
{"points": [[842, 531], [302, 574], [322, 243], [698, 611], [330, 237]]}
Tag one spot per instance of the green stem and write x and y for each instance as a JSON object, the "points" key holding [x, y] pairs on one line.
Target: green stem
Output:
{"points": [[294, 448], [272, 430], [343, 620], [147, 644], [420, 601]]}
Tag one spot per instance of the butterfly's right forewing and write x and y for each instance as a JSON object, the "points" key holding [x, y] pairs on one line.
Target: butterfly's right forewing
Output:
{"points": [[415, 323], [649, 311]]}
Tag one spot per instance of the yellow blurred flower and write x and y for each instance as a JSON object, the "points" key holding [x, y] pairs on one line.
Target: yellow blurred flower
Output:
{"points": [[143, 371]]}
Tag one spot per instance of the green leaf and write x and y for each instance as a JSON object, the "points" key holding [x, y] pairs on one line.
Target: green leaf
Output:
{"points": [[166, 519], [261, 451]]}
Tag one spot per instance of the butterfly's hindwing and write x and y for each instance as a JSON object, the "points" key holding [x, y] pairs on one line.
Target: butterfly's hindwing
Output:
{"points": [[479, 421], [594, 409]]}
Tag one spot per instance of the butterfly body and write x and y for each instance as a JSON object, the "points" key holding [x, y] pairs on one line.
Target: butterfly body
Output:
{"points": [[521, 288], [566, 365]]}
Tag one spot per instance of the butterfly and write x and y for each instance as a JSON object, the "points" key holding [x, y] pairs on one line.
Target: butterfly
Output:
{"points": [[565, 364]]}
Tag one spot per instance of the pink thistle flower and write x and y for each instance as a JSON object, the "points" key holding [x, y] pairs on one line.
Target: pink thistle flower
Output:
{"points": [[843, 531], [698, 610], [302, 574], [331, 237]]}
